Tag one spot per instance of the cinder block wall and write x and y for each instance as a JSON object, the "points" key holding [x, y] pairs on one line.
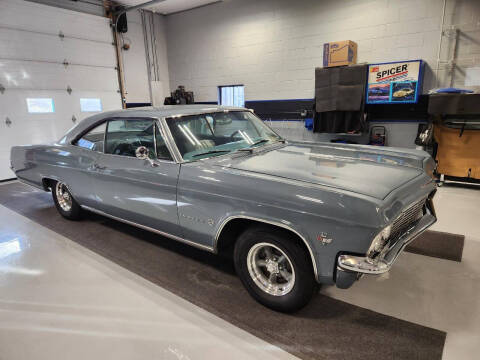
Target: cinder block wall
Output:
{"points": [[399, 134], [273, 46]]}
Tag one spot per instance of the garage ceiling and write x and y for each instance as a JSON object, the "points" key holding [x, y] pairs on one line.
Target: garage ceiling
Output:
{"points": [[169, 6]]}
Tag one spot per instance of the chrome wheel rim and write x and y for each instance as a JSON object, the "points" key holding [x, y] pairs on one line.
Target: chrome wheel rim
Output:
{"points": [[270, 269], [63, 196]]}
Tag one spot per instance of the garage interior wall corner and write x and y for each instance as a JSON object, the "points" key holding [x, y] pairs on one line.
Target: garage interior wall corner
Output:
{"points": [[145, 63], [154, 29]]}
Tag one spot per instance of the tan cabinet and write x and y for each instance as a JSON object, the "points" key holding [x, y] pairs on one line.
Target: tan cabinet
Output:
{"points": [[458, 155]]}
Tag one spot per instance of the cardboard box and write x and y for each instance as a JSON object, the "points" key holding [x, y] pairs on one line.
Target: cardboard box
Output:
{"points": [[339, 53]]}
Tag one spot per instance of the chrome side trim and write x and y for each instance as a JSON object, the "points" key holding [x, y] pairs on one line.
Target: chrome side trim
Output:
{"points": [[228, 219], [169, 140], [155, 126], [189, 242], [135, 158]]}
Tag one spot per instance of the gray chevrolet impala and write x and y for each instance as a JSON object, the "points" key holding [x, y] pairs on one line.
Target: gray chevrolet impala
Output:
{"points": [[292, 214]]}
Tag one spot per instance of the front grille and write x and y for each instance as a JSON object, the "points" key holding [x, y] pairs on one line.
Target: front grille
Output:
{"points": [[407, 218]]}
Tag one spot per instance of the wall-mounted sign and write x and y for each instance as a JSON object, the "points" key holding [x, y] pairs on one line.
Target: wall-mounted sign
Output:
{"points": [[394, 82]]}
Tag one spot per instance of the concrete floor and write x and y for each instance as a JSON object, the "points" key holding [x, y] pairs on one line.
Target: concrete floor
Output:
{"points": [[52, 291], [59, 300]]}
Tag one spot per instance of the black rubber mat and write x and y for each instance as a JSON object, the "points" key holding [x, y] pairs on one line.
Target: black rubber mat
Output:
{"points": [[326, 329], [438, 244]]}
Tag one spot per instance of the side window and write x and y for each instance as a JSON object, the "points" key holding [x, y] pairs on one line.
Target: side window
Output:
{"points": [[162, 150], [124, 136], [93, 140]]}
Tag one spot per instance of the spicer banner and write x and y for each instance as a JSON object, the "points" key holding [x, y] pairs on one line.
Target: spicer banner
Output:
{"points": [[395, 82]]}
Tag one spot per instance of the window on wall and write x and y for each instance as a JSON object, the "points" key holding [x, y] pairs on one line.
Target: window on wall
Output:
{"points": [[231, 95], [40, 105], [90, 105]]}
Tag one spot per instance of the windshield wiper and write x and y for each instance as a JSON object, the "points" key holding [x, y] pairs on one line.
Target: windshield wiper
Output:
{"points": [[250, 148], [211, 152], [259, 142]]}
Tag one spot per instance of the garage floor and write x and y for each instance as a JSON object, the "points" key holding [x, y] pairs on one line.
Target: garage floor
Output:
{"points": [[59, 297]]}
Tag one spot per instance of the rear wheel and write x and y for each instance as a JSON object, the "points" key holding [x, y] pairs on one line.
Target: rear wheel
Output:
{"points": [[274, 268], [64, 201]]}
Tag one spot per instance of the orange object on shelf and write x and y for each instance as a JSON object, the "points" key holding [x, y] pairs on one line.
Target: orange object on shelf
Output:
{"points": [[458, 155]]}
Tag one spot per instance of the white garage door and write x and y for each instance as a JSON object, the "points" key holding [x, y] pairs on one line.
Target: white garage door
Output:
{"points": [[51, 61]]}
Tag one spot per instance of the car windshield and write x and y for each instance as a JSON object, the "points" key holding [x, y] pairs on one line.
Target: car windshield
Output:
{"points": [[213, 134]]}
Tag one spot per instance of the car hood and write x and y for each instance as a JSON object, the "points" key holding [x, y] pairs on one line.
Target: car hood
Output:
{"points": [[366, 170]]}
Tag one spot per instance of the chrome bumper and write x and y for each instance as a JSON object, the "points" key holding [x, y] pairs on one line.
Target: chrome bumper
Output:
{"points": [[360, 264]]}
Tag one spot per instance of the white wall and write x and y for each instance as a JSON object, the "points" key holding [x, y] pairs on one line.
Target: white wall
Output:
{"points": [[135, 61], [273, 46], [463, 15], [157, 52], [399, 134]]}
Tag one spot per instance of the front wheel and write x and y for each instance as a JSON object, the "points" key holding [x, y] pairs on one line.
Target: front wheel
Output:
{"points": [[275, 269], [64, 201]]}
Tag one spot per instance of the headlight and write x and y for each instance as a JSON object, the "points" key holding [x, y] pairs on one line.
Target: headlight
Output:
{"points": [[386, 232], [379, 242]]}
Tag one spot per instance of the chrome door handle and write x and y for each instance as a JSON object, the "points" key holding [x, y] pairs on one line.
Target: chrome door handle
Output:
{"points": [[153, 163]]}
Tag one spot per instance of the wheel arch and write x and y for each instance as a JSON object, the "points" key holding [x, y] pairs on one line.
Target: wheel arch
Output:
{"points": [[231, 227], [47, 182]]}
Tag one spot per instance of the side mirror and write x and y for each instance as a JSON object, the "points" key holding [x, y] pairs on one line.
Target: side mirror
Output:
{"points": [[142, 153]]}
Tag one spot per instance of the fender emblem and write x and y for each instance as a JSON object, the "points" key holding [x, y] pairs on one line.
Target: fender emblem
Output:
{"points": [[324, 239], [210, 222]]}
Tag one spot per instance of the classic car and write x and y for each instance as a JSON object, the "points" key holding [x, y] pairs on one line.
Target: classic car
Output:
{"points": [[403, 93], [291, 214], [378, 90]]}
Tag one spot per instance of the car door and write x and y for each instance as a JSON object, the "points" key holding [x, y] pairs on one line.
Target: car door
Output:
{"points": [[77, 163], [140, 191]]}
